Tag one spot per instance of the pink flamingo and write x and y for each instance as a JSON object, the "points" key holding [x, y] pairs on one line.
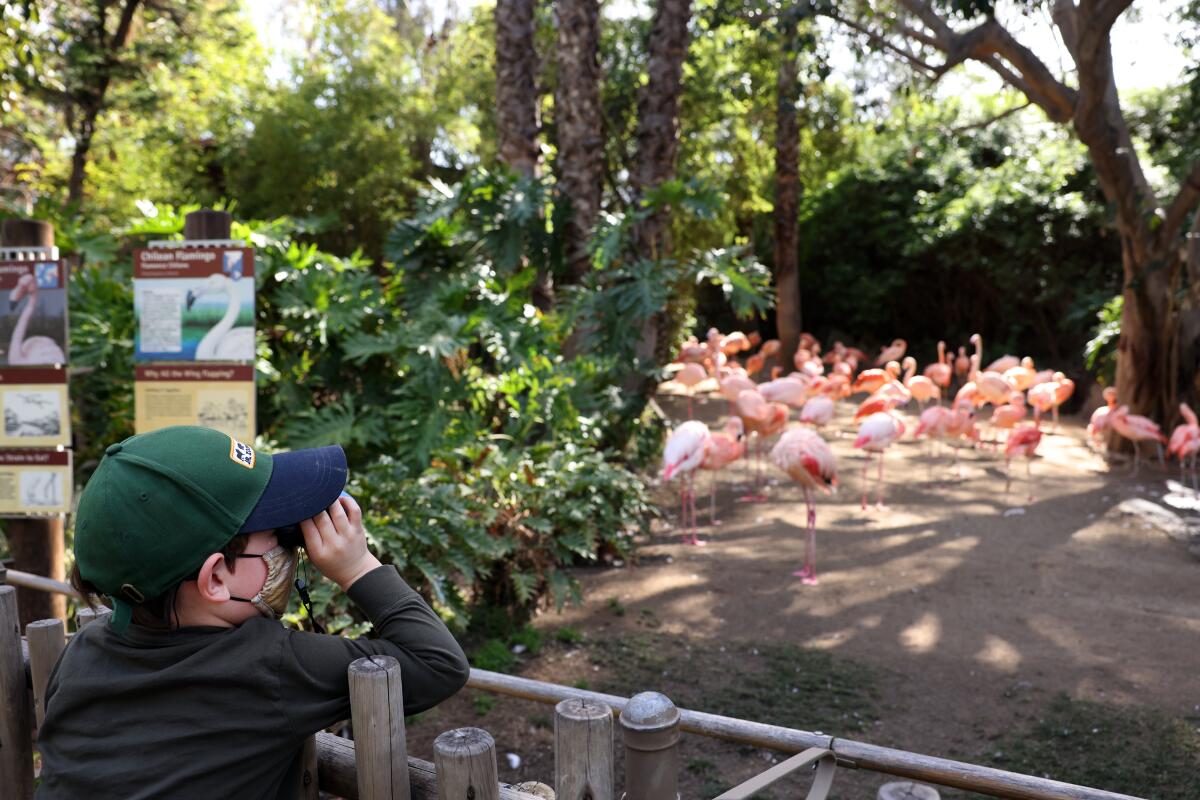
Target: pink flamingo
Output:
{"points": [[791, 390], [763, 419], [1136, 428], [961, 425], [1022, 442], [732, 381], [941, 372], [735, 343], [874, 435], [1185, 441], [989, 383], [934, 425], [870, 380], [683, 455], [1021, 376], [920, 387], [1063, 389], [1008, 415], [691, 374], [962, 363], [893, 352], [724, 448], [1098, 424], [807, 459], [817, 411], [1003, 364]]}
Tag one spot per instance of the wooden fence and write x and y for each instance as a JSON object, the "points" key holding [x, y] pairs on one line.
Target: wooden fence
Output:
{"points": [[376, 764]]}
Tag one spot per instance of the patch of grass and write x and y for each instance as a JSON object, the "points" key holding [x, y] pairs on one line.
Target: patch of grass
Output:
{"points": [[582, 684], [495, 656], [1137, 751], [484, 703], [530, 638], [614, 605], [568, 635], [774, 683]]}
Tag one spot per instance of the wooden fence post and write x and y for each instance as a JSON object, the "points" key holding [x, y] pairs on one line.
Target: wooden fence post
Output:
{"points": [[377, 711], [47, 639], [16, 713], [85, 616], [650, 730], [583, 750], [309, 779], [465, 760]]}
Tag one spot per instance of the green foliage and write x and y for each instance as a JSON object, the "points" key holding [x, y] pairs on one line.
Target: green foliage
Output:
{"points": [[494, 656], [1100, 354], [996, 229]]}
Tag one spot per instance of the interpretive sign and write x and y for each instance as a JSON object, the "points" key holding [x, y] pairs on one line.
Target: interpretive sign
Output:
{"points": [[194, 304], [215, 396], [33, 313], [34, 400], [35, 482]]}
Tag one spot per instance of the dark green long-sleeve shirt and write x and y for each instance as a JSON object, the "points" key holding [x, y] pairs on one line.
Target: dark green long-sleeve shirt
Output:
{"points": [[224, 712]]}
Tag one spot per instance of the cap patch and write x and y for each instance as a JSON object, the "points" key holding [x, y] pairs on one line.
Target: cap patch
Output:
{"points": [[241, 453]]}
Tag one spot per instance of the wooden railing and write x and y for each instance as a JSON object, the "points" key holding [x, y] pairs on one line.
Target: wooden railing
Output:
{"points": [[376, 764]]}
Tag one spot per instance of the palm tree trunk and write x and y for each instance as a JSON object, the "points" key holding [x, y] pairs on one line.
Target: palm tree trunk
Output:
{"points": [[787, 192], [657, 141], [580, 131], [516, 86]]}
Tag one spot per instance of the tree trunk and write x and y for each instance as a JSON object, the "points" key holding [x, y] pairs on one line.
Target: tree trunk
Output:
{"points": [[580, 131], [516, 86], [657, 140], [517, 107], [787, 192], [79, 157]]}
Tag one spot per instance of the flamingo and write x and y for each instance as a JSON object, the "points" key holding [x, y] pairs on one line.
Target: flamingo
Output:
{"points": [[1022, 376], [893, 352], [989, 384], [817, 411], [1022, 442], [934, 425], [941, 372], [1136, 428], [755, 364], [921, 387], [223, 342], [1185, 440], [735, 343], [1063, 389], [1003, 364], [869, 380], [791, 390], [876, 403], [1008, 415], [807, 459], [35, 349], [692, 351], [962, 363], [763, 419], [874, 435], [691, 374], [724, 448], [731, 383], [683, 455], [961, 425], [1098, 424]]}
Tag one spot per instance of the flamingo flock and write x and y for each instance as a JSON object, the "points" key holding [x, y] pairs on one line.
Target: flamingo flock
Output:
{"points": [[799, 405]]}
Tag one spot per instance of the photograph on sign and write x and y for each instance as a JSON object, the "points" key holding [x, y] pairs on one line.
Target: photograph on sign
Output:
{"points": [[33, 313], [34, 482], [220, 397], [34, 402], [194, 304]]}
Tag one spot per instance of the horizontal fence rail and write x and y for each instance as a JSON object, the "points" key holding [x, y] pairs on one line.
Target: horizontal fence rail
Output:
{"points": [[336, 755], [856, 755]]}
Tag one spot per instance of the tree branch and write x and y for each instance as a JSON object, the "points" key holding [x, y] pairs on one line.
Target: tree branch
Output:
{"points": [[883, 42], [983, 123], [1105, 15], [121, 37], [1185, 198]]}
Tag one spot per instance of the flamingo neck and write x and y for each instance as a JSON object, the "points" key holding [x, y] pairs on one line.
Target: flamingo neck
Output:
{"points": [[18, 335], [218, 331]]}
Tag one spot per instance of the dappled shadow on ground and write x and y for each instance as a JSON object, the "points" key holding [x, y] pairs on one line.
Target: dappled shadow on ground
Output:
{"points": [[957, 590]]}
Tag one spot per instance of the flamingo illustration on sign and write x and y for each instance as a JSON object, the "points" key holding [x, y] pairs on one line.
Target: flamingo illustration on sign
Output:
{"points": [[35, 349], [223, 342]]}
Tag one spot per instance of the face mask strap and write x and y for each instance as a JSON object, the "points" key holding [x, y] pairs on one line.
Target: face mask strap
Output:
{"points": [[305, 600]]}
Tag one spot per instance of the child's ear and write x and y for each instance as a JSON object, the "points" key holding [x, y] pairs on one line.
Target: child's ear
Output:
{"points": [[211, 581]]}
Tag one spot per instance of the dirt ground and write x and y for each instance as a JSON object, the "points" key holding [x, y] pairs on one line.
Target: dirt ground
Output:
{"points": [[966, 609]]}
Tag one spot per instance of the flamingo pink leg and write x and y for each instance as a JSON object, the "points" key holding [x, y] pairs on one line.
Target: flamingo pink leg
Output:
{"points": [[808, 573], [712, 502], [1029, 476], [756, 495], [866, 464], [879, 498], [692, 538]]}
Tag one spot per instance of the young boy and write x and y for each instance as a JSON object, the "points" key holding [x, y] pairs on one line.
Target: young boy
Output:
{"points": [[193, 689]]}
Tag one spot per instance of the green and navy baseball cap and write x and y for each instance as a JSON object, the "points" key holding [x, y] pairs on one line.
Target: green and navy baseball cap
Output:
{"points": [[160, 503]]}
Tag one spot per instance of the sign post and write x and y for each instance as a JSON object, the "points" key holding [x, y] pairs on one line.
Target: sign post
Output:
{"points": [[36, 414]]}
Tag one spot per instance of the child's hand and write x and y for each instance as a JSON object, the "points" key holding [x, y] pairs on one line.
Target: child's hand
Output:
{"points": [[337, 543]]}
